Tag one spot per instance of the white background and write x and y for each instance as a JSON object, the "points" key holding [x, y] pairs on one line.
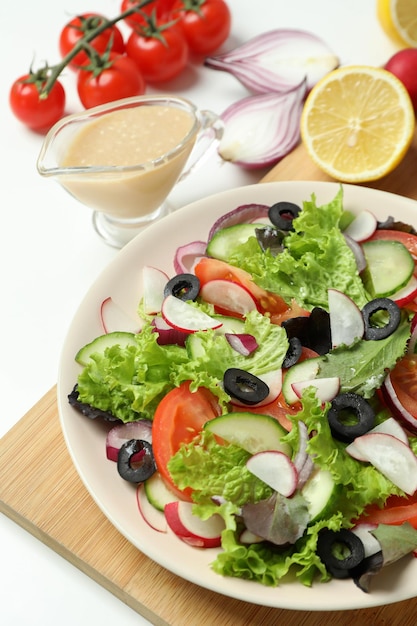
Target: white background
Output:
{"points": [[49, 253]]}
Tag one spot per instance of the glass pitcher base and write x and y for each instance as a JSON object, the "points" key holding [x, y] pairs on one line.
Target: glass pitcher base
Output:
{"points": [[117, 233]]}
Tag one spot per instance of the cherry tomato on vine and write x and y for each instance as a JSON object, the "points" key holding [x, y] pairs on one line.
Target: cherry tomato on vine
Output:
{"points": [[81, 26], [159, 51], [37, 113], [161, 7], [206, 23], [118, 78]]}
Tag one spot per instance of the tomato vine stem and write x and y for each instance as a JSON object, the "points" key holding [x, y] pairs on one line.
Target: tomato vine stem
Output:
{"points": [[56, 70]]}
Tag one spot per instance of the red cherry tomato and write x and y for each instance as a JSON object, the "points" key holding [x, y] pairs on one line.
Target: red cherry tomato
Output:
{"points": [[162, 8], [81, 26], [120, 78], [160, 56], [206, 23], [178, 418], [37, 113]]}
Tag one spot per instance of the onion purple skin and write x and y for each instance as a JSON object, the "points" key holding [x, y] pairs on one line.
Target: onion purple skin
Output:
{"points": [[193, 252], [242, 214]]}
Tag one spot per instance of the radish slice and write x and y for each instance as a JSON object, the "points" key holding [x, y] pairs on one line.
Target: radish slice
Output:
{"points": [[186, 257], [192, 529], [362, 227], [389, 427], [186, 317], [326, 388], [114, 318], [228, 296], [346, 320], [406, 294], [242, 214], [276, 470], [243, 343], [247, 537], [400, 412], [154, 281], [118, 435], [393, 458], [154, 518]]}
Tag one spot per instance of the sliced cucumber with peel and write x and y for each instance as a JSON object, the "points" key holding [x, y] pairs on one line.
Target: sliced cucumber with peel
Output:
{"points": [[300, 372], [222, 244], [389, 267], [100, 344], [321, 493], [254, 432], [157, 493]]}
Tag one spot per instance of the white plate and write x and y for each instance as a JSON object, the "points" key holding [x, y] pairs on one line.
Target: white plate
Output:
{"points": [[86, 439]]}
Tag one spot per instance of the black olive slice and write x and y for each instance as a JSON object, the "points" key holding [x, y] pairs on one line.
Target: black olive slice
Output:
{"points": [[87, 410], [244, 386], [282, 214], [373, 332], [135, 461], [350, 416], [269, 238], [183, 286], [313, 330], [341, 551], [293, 353]]}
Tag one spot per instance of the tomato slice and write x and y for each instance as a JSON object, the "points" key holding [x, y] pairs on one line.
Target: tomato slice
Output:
{"points": [[178, 418], [211, 269], [396, 511], [407, 239], [404, 381]]}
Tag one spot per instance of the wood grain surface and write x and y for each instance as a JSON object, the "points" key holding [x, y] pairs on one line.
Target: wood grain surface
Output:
{"points": [[63, 515]]}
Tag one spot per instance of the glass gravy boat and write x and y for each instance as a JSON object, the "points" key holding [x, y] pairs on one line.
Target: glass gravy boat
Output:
{"points": [[122, 159]]}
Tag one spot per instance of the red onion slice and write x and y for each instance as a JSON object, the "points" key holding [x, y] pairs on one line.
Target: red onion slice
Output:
{"points": [[242, 214], [243, 343], [277, 61], [118, 435], [260, 130], [186, 257], [357, 252]]}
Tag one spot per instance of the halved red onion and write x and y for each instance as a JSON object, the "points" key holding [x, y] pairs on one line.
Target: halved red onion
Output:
{"points": [[243, 343], [277, 61], [118, 435], [186, 257], [242, 214], [260, 130]]}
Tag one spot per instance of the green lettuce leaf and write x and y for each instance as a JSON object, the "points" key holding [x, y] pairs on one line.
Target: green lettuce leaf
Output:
{"points": [[316, 257]]}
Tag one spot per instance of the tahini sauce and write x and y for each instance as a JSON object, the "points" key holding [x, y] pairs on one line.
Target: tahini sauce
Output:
{"points": [[129, 137]]}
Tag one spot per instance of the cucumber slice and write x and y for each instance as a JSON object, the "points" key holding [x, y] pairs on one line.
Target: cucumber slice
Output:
{"points": [[389, 267], [253, 432], [157, 493], [229, 324], [321, 493], [224, 242], [100, 344], [298, 373]]}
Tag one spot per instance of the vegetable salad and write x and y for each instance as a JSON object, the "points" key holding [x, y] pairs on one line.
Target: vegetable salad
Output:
{"points": [[133, 380]]}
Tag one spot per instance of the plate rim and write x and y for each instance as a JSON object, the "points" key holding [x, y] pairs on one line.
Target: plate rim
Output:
{"points": [[234, 588]]}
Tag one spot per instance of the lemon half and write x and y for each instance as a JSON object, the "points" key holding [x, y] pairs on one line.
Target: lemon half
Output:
{"points": [[358, 123], [398, 18]]}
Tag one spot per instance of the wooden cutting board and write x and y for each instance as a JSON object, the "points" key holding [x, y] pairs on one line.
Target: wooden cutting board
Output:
{"points": [[63, 515]]}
